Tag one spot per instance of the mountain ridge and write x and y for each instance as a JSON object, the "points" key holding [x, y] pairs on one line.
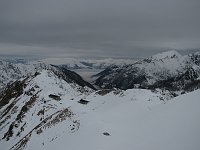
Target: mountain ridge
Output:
{"points": [[146, 73]]}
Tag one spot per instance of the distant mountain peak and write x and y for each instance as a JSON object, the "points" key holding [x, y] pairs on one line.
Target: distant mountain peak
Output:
{"points": [[168, 70], [167, 54]]}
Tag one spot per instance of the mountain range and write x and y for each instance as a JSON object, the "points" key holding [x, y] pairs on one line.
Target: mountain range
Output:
{"points": [[151, 103], [168, 70]]}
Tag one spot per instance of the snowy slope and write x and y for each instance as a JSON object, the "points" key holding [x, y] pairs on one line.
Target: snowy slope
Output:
{"points": [[32, 110], [131, 119], [133, 124]]}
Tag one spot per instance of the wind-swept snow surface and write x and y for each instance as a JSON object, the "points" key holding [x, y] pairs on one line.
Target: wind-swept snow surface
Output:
{"points": [[132, 119], [137, 124]]}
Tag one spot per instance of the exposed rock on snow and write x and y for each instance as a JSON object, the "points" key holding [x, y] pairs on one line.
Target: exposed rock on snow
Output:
{"points": [[168, 70]]}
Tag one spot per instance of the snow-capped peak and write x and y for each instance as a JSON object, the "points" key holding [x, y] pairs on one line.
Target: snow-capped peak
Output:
{"points": [[171, 67], [168, 54]]}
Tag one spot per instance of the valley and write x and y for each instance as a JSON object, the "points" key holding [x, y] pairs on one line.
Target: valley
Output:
{"points": [[151, 103]]}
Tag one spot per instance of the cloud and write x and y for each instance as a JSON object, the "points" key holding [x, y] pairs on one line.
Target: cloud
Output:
{"points": [[98, 28]]}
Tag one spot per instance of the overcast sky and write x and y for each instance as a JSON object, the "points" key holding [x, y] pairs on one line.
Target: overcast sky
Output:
{"points": [[95, 28]]}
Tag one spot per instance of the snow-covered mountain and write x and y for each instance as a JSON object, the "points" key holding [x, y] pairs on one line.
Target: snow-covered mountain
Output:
{"points": [[168, 70], [12, 69], [44, 111], [32, 104], [45, 106], [9, 72]]}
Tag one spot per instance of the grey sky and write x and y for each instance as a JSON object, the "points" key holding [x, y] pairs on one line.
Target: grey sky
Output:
{"points": [[112, 28]]}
